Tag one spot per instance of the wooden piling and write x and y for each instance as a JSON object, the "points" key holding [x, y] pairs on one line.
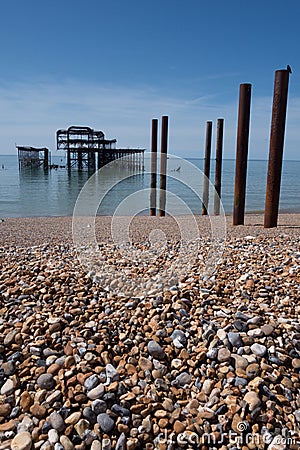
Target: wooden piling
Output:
{"points": [[163, 166], [205, 198], [218, 172], [153, 174], [280, 96], [242, 154]]}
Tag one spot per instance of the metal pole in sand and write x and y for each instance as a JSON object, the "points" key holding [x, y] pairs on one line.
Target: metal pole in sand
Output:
{"points": [[241, 154], [163, 166], [281, 84], [205, 198], [153, 167], [218, 173]]}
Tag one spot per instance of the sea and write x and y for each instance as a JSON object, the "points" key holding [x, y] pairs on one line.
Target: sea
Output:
{"points": [[54, 192]]}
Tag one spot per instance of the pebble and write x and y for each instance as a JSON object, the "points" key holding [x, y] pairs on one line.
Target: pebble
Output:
{"points": [[38, 410], [235, 339], [8, 387], [10, 337], [267, 329], [22, 441], [46, 381], [252, 399], [111, 374], [121, 442], [97, 392], [91, 382], [258, 349], [183, 379], [5, 409], [53, 436], [85, 367], [57, 421], [224, 354], [179, 336], [96, 445], [66, 443], [99, 406], [106, 423], [73, 418], [155, 350], [81, 426]]}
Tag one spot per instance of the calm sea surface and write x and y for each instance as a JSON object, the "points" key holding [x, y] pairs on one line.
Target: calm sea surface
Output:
{"points": [[37, 192]]}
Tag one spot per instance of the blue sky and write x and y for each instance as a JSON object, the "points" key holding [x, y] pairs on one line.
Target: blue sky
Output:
{"points": [[114, 65]]}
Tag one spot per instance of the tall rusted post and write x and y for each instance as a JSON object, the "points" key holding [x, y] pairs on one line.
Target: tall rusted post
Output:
{"points": [[218, 172], [281, 84], [153, 167], [242, 154], [205, 198], [163, 166]]}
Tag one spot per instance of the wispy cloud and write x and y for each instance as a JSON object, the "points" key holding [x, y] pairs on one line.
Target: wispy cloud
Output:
{"points": [[31, 113]]}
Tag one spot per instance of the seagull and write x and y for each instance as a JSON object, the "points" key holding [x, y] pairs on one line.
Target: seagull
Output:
{"points": [[289, 68]]}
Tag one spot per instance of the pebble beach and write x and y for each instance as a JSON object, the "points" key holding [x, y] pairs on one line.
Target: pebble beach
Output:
{"points": [[210, 363]]}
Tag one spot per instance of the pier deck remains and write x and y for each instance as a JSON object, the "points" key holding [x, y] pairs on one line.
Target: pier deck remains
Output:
{"points": [[33, 157], [87, 148]]}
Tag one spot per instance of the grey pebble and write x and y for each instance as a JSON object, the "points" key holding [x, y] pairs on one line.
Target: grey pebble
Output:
{"points": [[106, 423], [46, 381], [91, 382], [155, 350], [57, 421], [235, 339]]}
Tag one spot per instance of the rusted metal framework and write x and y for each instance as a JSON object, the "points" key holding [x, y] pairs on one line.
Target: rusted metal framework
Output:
{"points": [[33, 157], [87, 148]]}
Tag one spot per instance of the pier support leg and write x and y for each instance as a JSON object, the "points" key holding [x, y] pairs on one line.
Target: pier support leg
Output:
{"points": [[241, 154], [205, 199], [163, 166], [281, 83], [79, 160], [46, 158], [153, 167], [99, 159], [68, 159], [218, 172], [92, 161]]}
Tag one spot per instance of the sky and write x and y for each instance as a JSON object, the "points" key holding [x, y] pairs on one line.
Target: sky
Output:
{"points": [[114, 65]]}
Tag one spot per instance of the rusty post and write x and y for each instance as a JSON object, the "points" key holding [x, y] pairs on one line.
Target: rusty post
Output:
{"points": [[205, 198], [281, 84], [163, 166], [153, 167], [218, 173], [241, 154]]}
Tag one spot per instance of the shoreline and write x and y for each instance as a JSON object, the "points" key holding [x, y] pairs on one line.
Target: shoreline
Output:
{"points": [[30, 231]]}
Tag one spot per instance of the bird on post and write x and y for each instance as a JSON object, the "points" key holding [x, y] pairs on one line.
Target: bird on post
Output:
{"points": [[288, 67]]}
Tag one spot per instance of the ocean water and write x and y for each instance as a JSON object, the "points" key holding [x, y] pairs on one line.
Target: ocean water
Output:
{"points": [[35, 192]]}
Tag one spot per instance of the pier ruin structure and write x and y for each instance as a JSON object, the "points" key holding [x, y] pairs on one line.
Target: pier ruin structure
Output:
{"points": [[87, 149], [33, 157]]}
